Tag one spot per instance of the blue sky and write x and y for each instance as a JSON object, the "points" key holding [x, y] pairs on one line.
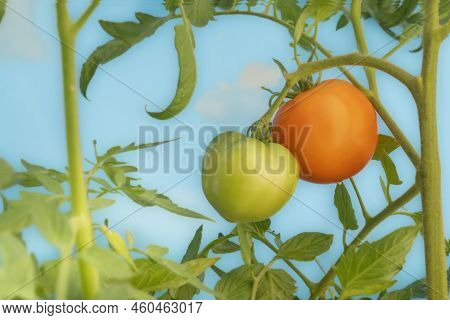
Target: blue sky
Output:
{"points": [[234, 57]]}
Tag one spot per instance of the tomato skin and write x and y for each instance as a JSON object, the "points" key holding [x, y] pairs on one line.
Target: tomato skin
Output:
{"points": [[246, 180], [331, 129]]}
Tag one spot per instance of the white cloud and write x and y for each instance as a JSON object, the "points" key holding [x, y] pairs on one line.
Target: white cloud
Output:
{"points": [[243, 101], [19, 38]]}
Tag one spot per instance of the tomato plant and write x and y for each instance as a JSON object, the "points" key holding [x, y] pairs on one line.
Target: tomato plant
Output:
{"points": [[342, 139]]}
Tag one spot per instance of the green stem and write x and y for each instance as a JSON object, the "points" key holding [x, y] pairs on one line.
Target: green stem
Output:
{"points": [[63, 274], [370, 225], [79, 202], [430, 170], [444, 31], [76, 27], [361, 42], [365, 213], [259, 277]]}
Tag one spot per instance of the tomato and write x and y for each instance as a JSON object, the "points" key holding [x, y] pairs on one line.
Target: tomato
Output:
{"points": [[246, 180], [331, 129]]}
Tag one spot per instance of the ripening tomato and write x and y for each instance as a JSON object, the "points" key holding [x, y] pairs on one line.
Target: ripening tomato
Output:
{"points": [[331, 129], [247, 180]]}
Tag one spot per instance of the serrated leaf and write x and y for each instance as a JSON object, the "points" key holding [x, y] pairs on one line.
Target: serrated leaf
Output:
{"points": [[342, 22], [117, 243], [187, 75], [148, 198], [127, 34], [108, 263], [199, 12], [289, 9], [156, 276], [390, 170], [275, 285], [114, 151], [343, 204], [172, 5], [44, 177], [8, 177], [17, 269], [305, 246], [386, 144], [100, 203], [371, 267]]}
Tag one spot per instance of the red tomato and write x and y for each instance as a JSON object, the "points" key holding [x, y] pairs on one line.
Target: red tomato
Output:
{"points": [[331, 129]]}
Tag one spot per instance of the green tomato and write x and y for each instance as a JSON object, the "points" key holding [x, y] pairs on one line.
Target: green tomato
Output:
{"points": [[247, 180]]}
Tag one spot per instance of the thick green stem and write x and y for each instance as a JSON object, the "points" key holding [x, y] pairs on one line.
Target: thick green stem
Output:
{"points": [[370, 225], [430, 170], [361, 42], [79, 202]]}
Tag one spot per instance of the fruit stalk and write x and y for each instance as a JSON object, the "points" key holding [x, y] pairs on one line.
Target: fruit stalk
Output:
{"points": [[80, 211], [429, 176]]}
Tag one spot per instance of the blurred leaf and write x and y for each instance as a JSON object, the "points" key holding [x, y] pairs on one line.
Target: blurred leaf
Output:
{"points": [[100, 203], [122, 291], [305, 246], [405, 294], [117, 243], [43, 176], [390, 170], [251, 3], [126, 35], [386, 144], [199, 12], [226, 4], [324, 9], [2, 9], [17, 269], [343, 203], [371, 267], [342, 22], [171, 5], [148, 198], [108, 263], [419, 287], [289, 9], [8, 177], [48, 275], [237, 284], [187, 75]]}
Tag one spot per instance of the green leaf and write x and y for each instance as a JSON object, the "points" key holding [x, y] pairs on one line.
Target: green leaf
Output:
{"points": [[342, 22], [126, 35], [226, 4], [189, 270], [187, 75], [275, 285], [8, 177], [405, 294], [371, 267], [108, 263], [100, 203], [344, 206], [199, 12], [226, 246], [44, 177], [2, 9], [386, 144], [390, 170], [117, 243], [324, 9], [48, 277], [194, 246], [122, 291], [171, 5], [114, 151], [17, 269], [148, 198], [251, 3], [289, 9], [384, 189], [305, 246]]}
